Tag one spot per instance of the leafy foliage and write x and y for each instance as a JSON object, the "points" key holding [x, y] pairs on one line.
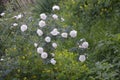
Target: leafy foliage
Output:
{"points": [[44, 6], [95, 20]]}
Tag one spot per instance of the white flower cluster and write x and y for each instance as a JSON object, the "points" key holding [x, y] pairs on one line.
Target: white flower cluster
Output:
{"points": [[47, 39], [84, 45], [53, 33], [72, 34], [43, 54]]}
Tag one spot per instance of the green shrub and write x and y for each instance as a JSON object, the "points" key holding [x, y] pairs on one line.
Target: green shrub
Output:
{"points": [[96, 21], [31, 68], [103, 71]]}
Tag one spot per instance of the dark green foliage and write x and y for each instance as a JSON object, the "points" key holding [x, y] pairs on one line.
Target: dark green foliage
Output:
{"points": [[44, 6], [98, 22], [2, 7]]}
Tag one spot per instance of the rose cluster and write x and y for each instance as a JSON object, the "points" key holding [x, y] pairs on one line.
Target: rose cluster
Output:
{"points": [[83, 45], [46, 45], [49, 34]]}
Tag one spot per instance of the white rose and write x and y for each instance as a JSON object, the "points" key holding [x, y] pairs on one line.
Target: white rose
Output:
{"points": [[35, 44], [85, 45], [15, 24], [40, 50], [43, 16], [52, 61], [54, 45], [55, 7], [23, 27], [64, 35], [82, 58], [2, 14], [55, 16], [42, 23], [47, 39], [73, 33], [39, 32], [54, 32], [44, 55]]}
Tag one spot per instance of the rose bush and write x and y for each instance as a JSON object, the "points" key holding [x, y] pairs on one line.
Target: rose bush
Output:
{"points": [[78, 40]]}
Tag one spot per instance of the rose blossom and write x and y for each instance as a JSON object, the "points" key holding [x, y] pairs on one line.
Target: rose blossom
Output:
{"points": [[23, 28], [44, 55], [43, 16], [73, 33], [55, 7], [82, 58], [42, 23]]}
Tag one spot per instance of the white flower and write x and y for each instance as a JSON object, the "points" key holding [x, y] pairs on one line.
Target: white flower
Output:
{"points": [[53, 61], [73, 33], [54, 32], [2, 14], [82, 58], [55, 16], [47, 39], [54, 45], [52, 54], [62, 19], [40, 50], [85, 45], [44, 55], [15, 24], [39, 32], [55, 7], [64, 35], [23, 27], [43, 16], [1, 59], [42, 23], [35, 44], [19, 16]]}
